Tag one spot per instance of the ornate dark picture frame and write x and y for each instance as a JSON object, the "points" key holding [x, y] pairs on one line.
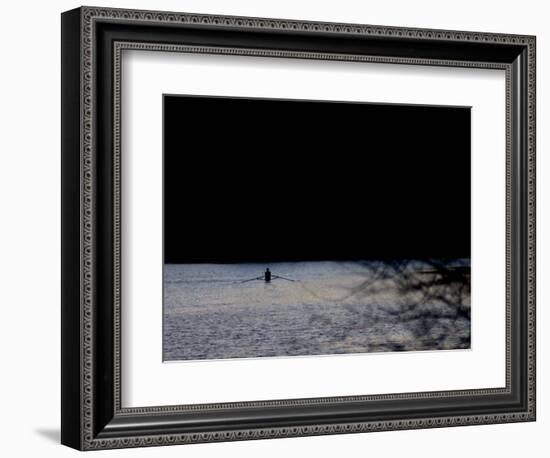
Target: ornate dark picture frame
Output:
{"points": [[92, 42]]}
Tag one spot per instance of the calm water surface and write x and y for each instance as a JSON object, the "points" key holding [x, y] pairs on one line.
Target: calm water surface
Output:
{"points": [[329, 308]]}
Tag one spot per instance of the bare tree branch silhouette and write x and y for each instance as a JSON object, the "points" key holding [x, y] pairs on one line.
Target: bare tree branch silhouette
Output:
{"points": [[430, 299]]}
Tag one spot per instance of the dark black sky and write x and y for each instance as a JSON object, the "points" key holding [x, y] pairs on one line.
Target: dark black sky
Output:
{"points": [[256, 180]]}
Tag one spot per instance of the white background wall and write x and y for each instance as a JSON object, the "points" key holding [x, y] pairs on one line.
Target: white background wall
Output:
{"points": [[30, 228]]}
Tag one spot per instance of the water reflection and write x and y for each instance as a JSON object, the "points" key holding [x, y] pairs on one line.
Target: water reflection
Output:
{"points": [[210, 312]]}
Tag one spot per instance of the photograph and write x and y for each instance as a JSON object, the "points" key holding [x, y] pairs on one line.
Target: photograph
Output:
{"points": [[314, 227]]}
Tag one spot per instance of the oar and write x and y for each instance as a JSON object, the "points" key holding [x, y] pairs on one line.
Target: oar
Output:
{"points": [[251, 279], [282, 278]]}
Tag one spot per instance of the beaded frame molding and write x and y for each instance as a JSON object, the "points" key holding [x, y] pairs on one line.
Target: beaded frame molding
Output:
{"points": [[93, 40]]}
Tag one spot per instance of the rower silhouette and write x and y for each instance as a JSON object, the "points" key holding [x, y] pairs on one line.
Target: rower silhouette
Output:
{"points": [[267, 277]]}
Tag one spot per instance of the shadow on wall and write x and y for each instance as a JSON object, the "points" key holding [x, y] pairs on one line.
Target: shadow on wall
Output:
{"points": [[52, 435]]}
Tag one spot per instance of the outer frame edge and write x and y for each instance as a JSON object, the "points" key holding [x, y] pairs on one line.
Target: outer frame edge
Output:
{"points": [[71, 394]]}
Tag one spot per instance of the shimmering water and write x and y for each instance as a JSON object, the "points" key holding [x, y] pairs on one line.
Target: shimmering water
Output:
{"points": [[329, 308]]}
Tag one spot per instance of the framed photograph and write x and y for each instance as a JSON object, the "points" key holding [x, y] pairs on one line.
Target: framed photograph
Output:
{"points": [[276, 228]]}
